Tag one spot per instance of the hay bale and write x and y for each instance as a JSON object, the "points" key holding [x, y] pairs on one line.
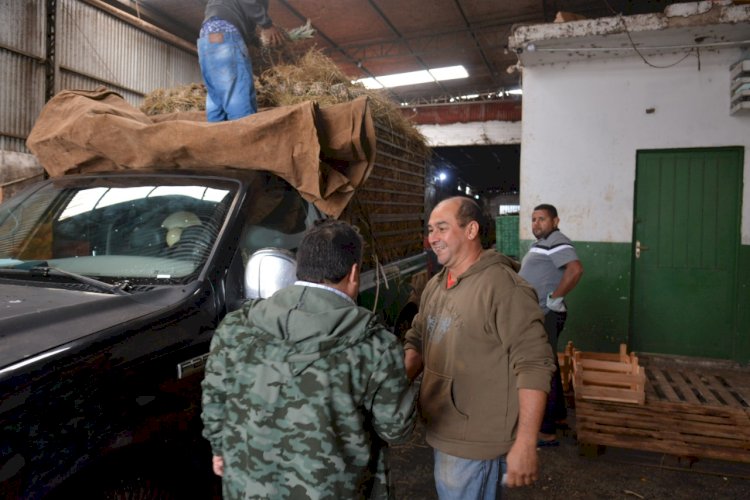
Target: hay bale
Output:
{"points": [[190, 97], [314, 76]]}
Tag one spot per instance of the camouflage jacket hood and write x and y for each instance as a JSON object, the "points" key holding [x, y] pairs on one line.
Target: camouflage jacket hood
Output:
{"points": [[300, 324]]}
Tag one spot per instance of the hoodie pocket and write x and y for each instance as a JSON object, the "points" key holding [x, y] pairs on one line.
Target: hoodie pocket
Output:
{"points": [[438, 407]]}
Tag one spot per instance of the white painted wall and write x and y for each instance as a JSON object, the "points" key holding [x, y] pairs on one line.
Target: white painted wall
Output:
{"points": [[472, 134], [584, 121]]}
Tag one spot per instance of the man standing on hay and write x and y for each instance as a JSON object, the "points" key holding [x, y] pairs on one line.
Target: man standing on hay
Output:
{"points": [[479, 339], [553, 269], [228, 30]]}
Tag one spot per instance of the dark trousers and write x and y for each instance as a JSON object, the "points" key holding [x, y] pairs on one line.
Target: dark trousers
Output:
{"points": [[554, 322]]}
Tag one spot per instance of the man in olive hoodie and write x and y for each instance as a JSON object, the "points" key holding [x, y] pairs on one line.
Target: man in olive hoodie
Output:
{"points": [[302, 388], [479, 339]]}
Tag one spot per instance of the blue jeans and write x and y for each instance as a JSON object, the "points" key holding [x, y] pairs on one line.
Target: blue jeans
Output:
{"points": [[228, 75], [465, 479]]}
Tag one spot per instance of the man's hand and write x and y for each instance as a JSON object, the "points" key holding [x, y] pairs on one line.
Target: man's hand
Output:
{"points": [[218, 464], [555, 304], [522, 461], [272, 36], [523, 464], [413, 363]]}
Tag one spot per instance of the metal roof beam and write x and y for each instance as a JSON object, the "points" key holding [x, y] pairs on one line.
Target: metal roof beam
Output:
{"points": [[336, 47], [496, 37]]}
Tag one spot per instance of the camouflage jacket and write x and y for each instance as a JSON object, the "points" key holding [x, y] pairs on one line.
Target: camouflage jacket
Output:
{"points": [[302, 392]]}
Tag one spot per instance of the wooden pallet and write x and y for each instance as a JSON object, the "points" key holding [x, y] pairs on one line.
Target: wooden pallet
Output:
{"points": [[714, 387], [615, 377], [675, 428], [696, 412]]}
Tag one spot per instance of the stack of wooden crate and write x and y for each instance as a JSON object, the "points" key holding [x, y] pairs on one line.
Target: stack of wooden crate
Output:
{"points": [[615, 377], [661, 407]]}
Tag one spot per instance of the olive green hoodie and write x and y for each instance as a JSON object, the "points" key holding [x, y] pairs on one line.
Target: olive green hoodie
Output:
{"points": [[481, 341]]}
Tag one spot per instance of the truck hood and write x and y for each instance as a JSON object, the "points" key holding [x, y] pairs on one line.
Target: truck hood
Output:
{"points": [[35, 319]]}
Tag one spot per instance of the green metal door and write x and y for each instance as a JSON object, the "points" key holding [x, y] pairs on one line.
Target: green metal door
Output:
{"points": [[686, 237]]}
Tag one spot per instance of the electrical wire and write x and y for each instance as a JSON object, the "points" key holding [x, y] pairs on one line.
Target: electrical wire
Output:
{"points": [[632, 43], [657, 66], [693, 48]]}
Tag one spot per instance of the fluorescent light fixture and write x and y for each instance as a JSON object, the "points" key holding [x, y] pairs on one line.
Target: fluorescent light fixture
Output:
{"points": [[449, 73], [514, 92], [414, 77], [369, 83], [410, 78]]}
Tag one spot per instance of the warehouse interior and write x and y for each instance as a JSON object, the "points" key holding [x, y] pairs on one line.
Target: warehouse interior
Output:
{"points": [[478, 129], [369, 39]]}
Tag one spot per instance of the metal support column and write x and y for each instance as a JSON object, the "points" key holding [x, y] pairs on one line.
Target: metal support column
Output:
{"points": [[50, 79]]}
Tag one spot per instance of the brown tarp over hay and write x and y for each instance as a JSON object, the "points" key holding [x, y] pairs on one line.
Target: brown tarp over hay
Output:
{"points": [[325, 153]]}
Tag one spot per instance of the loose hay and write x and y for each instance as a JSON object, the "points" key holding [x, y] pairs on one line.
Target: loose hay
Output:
{"points": [[190, 97], [313, 76]]}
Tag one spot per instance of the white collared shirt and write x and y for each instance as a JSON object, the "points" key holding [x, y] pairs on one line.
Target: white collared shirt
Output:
{"points": [[325, 287]]}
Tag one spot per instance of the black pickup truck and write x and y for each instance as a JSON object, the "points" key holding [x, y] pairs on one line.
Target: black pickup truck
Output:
{"points": [[111, 285]]}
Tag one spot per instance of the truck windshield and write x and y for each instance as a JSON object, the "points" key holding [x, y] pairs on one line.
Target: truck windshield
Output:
{"points": [[141, 228]]}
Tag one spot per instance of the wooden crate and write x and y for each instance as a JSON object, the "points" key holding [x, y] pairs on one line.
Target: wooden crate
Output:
{"points": [[615, 377]]}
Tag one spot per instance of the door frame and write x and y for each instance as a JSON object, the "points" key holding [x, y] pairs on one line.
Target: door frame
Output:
{"points": [[735, 329]]}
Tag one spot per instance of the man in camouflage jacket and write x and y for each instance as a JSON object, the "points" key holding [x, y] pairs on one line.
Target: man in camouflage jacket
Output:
{"points": [[302, 388]]}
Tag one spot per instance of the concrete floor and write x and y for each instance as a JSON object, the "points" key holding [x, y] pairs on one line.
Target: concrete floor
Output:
{"points": [[566, 473]]}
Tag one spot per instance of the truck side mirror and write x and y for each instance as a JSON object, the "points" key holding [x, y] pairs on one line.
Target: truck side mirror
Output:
{"points": [[269, 270]]}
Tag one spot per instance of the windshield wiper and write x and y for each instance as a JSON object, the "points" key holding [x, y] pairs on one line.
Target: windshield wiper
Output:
{"points": [[42, 269]]}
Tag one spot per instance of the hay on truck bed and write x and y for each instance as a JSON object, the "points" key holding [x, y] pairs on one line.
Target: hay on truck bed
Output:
{"points": [[389, 208]]}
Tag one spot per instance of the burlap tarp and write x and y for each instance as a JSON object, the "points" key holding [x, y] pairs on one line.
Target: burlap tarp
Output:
{"points": [[325, 153]]}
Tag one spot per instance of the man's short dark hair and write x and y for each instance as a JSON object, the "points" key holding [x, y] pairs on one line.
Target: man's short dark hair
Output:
{"points": [[328, 251], [551, 210], [468, 210]]}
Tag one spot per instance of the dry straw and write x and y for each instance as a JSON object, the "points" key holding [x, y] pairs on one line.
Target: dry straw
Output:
{"points": [[313, 76], [190, 97]]}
